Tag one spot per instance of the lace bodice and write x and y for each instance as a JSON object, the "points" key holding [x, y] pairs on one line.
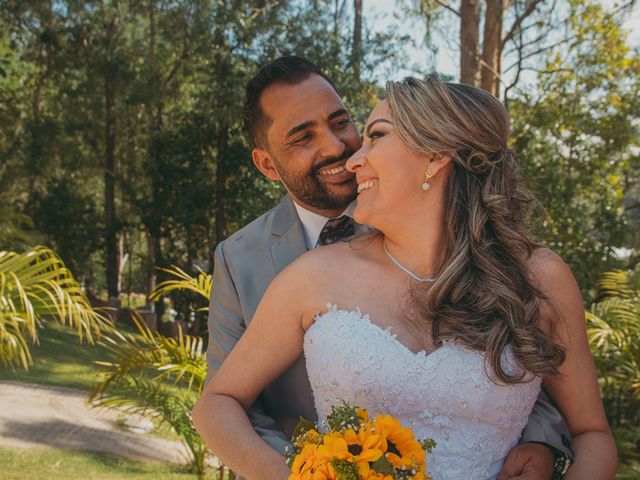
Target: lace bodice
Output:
{"points": [[446, 395]]}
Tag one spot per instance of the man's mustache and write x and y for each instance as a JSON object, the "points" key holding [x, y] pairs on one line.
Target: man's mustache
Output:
{"points": [[330, 161]]}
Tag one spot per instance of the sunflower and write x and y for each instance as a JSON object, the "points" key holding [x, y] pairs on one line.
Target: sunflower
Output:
{"points": [[403, 450], [360, 447], [362, 414], [365, 447], [310, 436], [377, 476], [311, 464]]}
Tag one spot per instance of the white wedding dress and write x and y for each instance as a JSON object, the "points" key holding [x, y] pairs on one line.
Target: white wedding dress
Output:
{"points": [[446, 395]]}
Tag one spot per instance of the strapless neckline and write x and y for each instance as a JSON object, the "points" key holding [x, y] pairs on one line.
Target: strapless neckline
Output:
{"points": [[385, 332]]}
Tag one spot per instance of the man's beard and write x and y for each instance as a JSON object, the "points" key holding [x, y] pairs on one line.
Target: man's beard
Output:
{"points": [[308, 188]]}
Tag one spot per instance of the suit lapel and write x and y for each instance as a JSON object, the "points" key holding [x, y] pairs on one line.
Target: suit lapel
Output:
{"points": [[287, 235]]}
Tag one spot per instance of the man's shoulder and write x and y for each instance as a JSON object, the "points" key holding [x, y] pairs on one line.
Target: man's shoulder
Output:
{"points": [[255, 233]]}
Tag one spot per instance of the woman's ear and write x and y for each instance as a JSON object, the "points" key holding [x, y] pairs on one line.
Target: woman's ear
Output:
{"points": [[438, 162], [263, 162]]}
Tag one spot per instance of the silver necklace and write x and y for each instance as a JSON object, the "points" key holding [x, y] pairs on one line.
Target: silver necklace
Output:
{"points": [[403, 268]]}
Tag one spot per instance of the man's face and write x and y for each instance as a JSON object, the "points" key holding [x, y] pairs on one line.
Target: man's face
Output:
{"points": [[309, 139]]}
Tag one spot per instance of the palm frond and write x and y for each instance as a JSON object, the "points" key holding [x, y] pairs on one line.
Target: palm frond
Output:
{"points": [[148, 367], [602, 335], [35, 285], [136, 381], [131, 394], [180, 360], [619, 283], [613, 328], [200, 285]]}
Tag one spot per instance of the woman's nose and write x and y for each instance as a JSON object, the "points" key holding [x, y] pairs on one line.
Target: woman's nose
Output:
{"points": [[356, 160]]}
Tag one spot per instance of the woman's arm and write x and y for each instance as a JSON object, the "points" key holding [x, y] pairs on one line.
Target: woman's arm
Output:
{"points": [[271, 343], [575, 390]]}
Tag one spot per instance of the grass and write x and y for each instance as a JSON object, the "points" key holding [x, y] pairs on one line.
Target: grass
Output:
{"points": [[53, 464], [60, 359]]}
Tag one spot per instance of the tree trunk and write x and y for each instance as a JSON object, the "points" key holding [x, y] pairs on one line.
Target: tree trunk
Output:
{"points": [[356, 53], [154, 124], [151, 273], [469, 41], [491, 46], [110, 173], [221, 180]]}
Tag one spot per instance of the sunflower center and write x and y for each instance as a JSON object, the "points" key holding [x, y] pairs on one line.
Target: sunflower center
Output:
{"points": [[355, 449], [391, 448]]}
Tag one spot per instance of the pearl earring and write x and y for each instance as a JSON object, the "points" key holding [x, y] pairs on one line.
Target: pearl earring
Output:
{"points": [[426, 185]]}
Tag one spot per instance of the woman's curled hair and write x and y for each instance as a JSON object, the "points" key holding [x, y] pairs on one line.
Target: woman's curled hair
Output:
{"points": [[483, 297]]}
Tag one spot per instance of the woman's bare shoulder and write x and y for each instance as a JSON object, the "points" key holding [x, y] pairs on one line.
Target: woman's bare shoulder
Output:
{"points": [[548, 269], [326, 262], [319, 275], [553, 277]]}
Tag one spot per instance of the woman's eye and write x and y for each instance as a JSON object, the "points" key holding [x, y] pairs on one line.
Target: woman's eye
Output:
{"points": [[375, 134]]}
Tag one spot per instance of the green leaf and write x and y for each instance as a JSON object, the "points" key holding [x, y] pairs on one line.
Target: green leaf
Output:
{"points": [[303, 427], [382, 465]]}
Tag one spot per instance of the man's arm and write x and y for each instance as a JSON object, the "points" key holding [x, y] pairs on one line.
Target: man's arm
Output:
{"points": [[546, 425], [226, 324], [534, 458]]}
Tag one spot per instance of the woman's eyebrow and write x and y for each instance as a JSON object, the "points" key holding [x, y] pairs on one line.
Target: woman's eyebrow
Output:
{"points": [[377, 120]]}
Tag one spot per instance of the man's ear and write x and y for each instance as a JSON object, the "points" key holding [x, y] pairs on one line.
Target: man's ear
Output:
{"points": [[263, 162]]}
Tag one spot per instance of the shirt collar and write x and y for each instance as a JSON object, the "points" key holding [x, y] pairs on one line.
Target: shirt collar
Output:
{"points": [[313, 223]]}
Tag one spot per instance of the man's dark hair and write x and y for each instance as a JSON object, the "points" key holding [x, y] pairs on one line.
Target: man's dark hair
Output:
{"points": [[288, 70]]}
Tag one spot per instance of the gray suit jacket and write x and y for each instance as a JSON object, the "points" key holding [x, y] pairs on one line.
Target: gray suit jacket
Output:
{"points": [[245, 265]]}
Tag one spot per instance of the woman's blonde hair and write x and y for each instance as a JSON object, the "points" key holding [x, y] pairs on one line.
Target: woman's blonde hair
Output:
{"points": [[483, 296]]}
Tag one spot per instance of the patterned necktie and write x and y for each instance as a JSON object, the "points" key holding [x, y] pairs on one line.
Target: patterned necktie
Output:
{"points": [[336, 229]]}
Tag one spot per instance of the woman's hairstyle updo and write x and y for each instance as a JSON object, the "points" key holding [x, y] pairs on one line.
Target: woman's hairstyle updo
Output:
{"points": [[483, 296]]}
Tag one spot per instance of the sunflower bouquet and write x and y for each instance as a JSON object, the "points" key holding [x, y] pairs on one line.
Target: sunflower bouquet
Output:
{"points": [[356, 447]]}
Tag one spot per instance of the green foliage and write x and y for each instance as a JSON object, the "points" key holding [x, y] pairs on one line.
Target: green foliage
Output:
{"points": [[343, 416], [200, 285], [613, 327], [34, 286], [158, 376], [575, 137], [160, 85], [77, 241], [16, 231]]}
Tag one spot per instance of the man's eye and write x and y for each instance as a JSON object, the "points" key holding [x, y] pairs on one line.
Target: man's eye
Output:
{"points": [[302, 139], [341, 123]]}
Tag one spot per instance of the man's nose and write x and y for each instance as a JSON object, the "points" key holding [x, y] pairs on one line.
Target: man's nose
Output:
{"points": [[331, 145]]}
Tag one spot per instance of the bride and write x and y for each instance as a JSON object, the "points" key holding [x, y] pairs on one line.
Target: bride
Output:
{"points": [[448, 317]]}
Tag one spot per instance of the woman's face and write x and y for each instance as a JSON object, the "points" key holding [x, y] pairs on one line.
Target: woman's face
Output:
{"points": [[388, 173]]}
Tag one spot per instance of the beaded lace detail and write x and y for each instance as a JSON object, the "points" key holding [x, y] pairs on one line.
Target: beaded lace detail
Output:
{"points": [[447, 395]]}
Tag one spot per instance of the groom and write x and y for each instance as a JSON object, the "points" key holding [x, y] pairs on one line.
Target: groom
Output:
{"points": [[302, 136]]}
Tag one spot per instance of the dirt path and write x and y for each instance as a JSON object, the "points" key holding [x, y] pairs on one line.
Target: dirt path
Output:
{"points": [[35, 415]]}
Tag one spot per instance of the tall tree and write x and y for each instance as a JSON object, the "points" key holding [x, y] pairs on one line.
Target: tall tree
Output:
{"points": [[492, 45], [469, 41], [356, 47], [110, 89]]}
